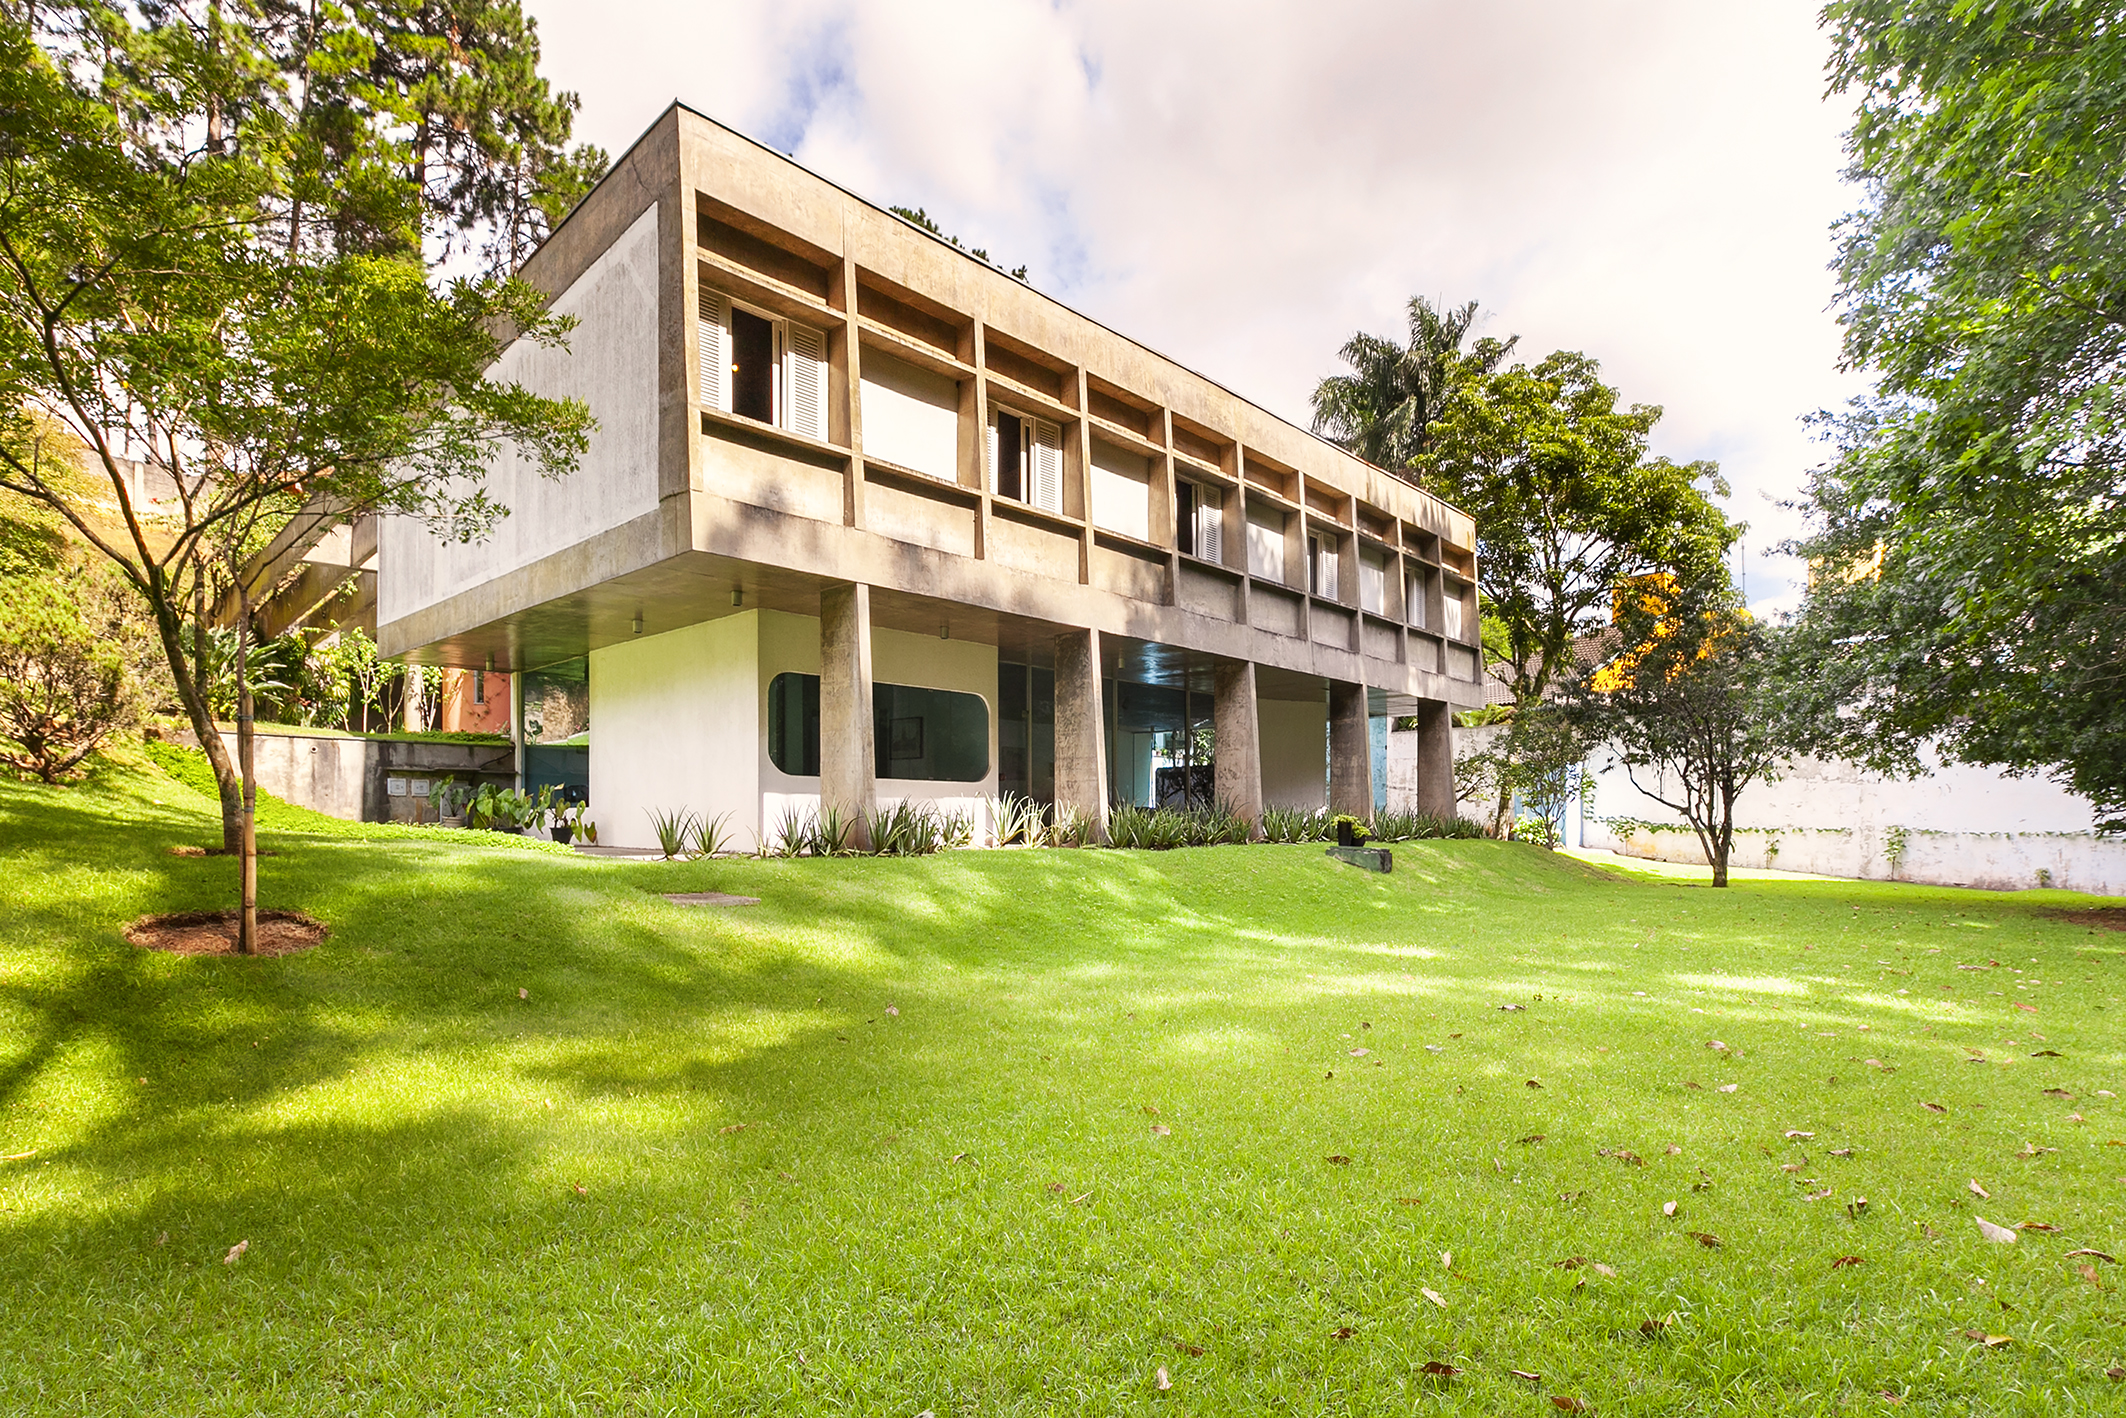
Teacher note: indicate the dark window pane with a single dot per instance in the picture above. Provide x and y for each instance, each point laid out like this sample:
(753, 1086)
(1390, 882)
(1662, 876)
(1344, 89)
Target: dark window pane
(793, 724)
(929, 735)
(1185, 517)
(1011, 455)
(752, 366)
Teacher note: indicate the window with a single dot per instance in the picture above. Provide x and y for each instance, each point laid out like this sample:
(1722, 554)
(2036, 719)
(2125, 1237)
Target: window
(1415, 597)
(479, 686)
(1121, 491)
(1026, 460)
(1452, 612)
(1321, 564)
(1266, 542)
(762, 367)
(924, 735)
(1372, 581)
(1199, 524)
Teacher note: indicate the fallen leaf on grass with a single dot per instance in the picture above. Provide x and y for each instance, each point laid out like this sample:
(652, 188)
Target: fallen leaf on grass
(2036, 1226)
(1888, 1396)
(2057, 1093)
(1511, 1007)
(734, 1127)
(1194, 1351)
(960, 1157)
(1716, 1046)
(1434, 1296)
(1434, 1049)
(1824, 1195)
(1673, 1150)
(2115, 1374)
(1980, 1192)
(2099, 1255)
(1056, 1187)
(1446, 1260)
(1651, 1327)
(2047, 1054)
(1603, 1270)
(1623, 1154)
(1435, 1369)
(2088, 1273)
(236, 1252)
(1162, 1380)
(1728, 1087)
(1524, 1374)
(1531, 1138)
(1844, 1261)
(1841, 1152)
(1569, 1405)
(1360, 1053)
(2026, 1008)
(523, 994)
(1857, 1207)
(1792, 1133)
(1934, 1107)
(1344, 1332)
(1409, 1201)
(2033, 1150)
(1710, 1242)
(1337, 1159)
(892, 1012)
(1990, 1341)
(582, 1190)
(1534, 1083)
(1668, 1209)
(1991, 1232)
(1161, 1130)
(1568, 1198)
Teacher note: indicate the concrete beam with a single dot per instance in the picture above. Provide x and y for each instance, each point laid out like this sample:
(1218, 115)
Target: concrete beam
(1435, 759)
(1081, 747)
(847, 753)
(1237, 775)
(1350, 751)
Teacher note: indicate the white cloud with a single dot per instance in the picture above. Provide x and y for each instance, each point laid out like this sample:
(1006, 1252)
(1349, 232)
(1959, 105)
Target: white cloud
(1241, 186)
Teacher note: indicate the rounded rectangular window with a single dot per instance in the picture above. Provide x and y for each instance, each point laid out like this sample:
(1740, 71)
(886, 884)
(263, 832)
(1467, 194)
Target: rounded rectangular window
(923, 735)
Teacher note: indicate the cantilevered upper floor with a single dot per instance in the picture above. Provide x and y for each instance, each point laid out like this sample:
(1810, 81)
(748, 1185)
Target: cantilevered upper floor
(795, 388)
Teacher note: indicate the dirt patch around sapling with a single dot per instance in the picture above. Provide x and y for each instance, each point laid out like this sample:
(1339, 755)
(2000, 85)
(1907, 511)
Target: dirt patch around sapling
(184, 851)
(2109, 918)
(214, 933)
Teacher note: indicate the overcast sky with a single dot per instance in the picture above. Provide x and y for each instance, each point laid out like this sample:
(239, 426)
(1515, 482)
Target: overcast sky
(1243, 185)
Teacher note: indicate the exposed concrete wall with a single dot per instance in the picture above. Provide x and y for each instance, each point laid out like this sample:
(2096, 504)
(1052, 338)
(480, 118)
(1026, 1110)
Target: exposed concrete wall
(610, 362)
(676, 722)
(1295, 752)
(348, 778)
(911, 416)
(1958, 826)
(1237, 721)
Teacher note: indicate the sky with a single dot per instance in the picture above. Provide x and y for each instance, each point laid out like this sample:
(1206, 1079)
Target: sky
(1243, 184)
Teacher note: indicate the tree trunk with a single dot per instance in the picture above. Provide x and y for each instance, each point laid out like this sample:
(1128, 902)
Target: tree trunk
(227, 785)
(247, 921)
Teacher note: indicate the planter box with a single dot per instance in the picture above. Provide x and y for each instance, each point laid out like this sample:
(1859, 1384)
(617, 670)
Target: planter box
(1378, 859)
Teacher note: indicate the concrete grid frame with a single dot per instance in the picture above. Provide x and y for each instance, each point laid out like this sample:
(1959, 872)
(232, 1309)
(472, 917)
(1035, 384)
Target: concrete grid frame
(830, 444)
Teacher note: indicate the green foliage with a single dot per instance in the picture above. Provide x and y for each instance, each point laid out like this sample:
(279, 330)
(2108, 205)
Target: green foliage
(673, 830)
(505, 809)
(709, 836)
(1297, 824)
(1969, 536)
(916, 216)
(449, 797)
(1537, 760)
(70, 657)
(917, 829)
(1397, 826)
(1165, 828)
(1384, 410)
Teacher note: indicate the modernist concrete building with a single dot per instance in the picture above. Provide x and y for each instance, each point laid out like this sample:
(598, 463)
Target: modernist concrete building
(867, 519)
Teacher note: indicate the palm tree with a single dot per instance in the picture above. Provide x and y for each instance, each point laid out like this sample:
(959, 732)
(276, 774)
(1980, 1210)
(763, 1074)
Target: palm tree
(1383, 410)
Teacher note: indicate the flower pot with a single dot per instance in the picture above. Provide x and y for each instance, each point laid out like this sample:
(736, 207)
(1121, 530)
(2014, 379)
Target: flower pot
(448, 821)
(1345, 837)
(562, 833)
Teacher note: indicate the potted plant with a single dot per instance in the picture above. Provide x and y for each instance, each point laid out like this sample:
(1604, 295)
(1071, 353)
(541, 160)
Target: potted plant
(565, 816)
(449, 798)
(1351, 831)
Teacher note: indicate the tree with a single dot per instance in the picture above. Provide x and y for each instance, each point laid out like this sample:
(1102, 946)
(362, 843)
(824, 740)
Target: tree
(1968, 537)
(1384, 410)
(1536, 758)
(1689, 703)
(150, 303)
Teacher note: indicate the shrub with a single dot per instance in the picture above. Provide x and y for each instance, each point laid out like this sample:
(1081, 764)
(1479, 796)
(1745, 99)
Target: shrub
(69, 654)
(1297, 824)
(1014, 818)
(707, 837)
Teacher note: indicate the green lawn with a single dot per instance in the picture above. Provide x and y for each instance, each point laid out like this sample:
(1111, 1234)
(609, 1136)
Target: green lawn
(1223, 1111)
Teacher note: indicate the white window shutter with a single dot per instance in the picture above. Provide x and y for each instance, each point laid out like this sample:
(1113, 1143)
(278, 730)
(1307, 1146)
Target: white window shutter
(714, 326)
(990, 436)
(1047, 466)
(1210, 524)
(808, 382)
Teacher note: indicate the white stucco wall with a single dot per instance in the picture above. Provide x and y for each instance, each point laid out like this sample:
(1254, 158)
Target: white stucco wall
(911, 416)
(1122, 490)
(676, 724)
(610, 362)
(1295, 752)
(1958, 826)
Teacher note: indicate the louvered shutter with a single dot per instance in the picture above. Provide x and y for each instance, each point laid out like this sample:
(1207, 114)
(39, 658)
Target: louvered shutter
(990, 433)
(1047, 466)
(714, 326)
(808, 382)
(1210, 524)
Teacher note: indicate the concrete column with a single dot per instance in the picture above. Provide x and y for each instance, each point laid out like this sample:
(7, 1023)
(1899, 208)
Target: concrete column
(1350, 751)
(1435, 759)
(846, 753)
(1238, 773)
(1081, 747)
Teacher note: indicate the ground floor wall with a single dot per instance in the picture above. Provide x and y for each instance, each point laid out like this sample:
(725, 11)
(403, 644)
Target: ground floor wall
(1956, 826)
(1295, 752)
(368, 779)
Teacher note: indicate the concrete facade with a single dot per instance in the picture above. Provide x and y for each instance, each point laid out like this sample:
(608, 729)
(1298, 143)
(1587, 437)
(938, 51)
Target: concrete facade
(1145, 526)
(351, 778)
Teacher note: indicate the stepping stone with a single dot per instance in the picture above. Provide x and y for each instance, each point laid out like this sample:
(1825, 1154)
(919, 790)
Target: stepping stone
(709, 898)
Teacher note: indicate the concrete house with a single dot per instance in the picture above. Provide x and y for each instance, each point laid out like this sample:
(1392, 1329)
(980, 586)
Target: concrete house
(866, 519)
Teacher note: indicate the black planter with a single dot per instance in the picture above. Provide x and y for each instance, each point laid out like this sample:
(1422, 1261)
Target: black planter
(1345, 837)
(563, 833)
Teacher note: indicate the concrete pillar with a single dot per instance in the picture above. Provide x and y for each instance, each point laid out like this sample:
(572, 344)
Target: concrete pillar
(1238, 772)
(1350, 751)
(1435, 759)
(1081, 747)
(846, 753)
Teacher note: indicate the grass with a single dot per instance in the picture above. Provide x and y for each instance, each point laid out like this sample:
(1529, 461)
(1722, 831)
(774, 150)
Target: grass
(699, 1166)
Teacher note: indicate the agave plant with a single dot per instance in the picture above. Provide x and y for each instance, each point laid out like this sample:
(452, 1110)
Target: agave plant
(831, 830)
(709, 837)
(1072, 826)
(672, 829)
(793, 832)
